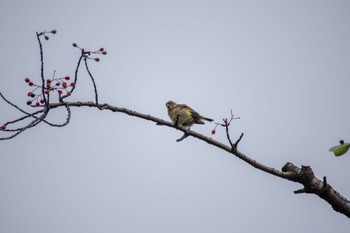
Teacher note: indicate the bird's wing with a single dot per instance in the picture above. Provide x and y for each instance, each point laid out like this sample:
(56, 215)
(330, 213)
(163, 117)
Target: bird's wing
(189, 111)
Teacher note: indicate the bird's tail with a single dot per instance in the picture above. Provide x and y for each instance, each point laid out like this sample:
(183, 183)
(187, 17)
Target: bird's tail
(207, 119)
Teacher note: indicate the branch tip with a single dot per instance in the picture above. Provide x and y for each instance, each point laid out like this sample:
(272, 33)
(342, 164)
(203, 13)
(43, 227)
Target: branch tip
(325, 184)
(300, 191)
(183, 137)
(239, 139)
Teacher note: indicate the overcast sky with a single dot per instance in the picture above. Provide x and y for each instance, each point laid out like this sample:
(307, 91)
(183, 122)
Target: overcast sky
(282, 66)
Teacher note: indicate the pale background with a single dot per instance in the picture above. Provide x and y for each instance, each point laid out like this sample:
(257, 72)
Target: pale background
(282, 66)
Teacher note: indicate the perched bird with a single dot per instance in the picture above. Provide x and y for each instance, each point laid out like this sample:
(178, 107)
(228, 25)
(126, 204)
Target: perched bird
(183, 115)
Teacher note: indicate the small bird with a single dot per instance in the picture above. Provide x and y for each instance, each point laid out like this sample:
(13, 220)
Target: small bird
(183, 115)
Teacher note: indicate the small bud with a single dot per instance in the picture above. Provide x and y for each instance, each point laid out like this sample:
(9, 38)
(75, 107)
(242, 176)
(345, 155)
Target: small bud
(53, 31)
(67, 78)
(30, 84)
(75, 45)
(29, 102)
(59, 92)
(57, 84)
(101, 49)
(46, 92)
(37, 104)
(104, 52)
(3, 127)
(47, 38)
(29, 94)
(97, 59)
(72, 84)
(32, 95)
(27, 80)
(213, 131)
(42, 101)
(68, 93)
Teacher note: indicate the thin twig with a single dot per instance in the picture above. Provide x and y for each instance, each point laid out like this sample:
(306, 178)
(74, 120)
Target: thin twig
(92, 79)
(42, 69)
(13, 105)
(228, 136)
(238, 140)
(27, 115)
(30, 125)
(75, 75)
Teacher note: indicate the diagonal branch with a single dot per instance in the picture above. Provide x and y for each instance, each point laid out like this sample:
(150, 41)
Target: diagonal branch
(290, 172)
(312, 184)
(303, 175)
(35, 122)
(27, 115)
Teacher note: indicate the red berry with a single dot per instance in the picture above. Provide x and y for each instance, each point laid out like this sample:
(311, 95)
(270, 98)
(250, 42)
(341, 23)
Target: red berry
(27, 80)
(42, 101)
(101, 49)
(213, 131)
(68, 93)
(47, 38)
(59, 92)
(67, 78)
(75, 45)
(29, 102)
(72, 84)
(48, 81)
(57, 84)
(37, 104)
(29, 94)
(97, 59)
(46, 92)
(3, 127)
(104, 52)
(32, 95)
(30, 84)
(53, 31)
(64, 84)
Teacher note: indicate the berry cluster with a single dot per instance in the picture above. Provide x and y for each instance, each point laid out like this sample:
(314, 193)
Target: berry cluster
(87, 54)
(44, 33)
(55, 84)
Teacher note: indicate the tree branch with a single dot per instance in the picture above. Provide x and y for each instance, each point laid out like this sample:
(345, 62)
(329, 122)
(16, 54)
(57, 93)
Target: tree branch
(303, 175)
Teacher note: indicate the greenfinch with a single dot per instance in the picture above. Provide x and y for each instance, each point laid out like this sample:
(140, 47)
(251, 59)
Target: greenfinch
(183, 115)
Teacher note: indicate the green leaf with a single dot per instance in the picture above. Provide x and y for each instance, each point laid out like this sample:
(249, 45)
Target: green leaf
(340, 149)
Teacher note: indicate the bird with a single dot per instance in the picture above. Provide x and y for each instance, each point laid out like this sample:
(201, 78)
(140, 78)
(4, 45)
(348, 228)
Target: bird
(183, 115)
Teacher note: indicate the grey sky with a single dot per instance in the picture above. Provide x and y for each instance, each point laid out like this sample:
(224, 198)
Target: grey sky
(282, 66)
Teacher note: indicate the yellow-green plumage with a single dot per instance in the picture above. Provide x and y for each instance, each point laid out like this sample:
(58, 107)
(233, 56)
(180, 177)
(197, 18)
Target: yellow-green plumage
(183, 115)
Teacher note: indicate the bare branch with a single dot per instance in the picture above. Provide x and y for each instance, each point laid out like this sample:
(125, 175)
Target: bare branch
(35, 122)
(13, 105)
(290, 172)
(75, 75)
(303, 175)
(42, 68)
(28, 115)
(182, 138)
(238, 140)
(312, 184)
(92, 79)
